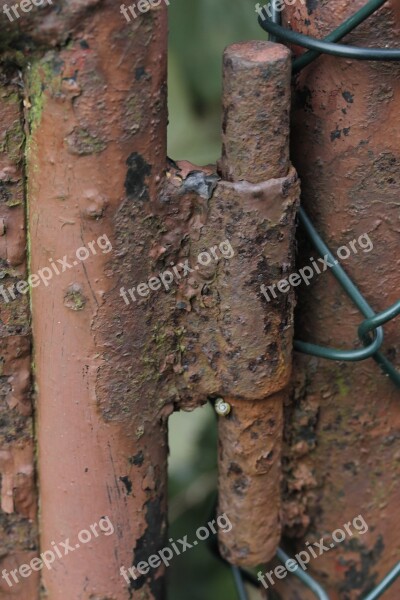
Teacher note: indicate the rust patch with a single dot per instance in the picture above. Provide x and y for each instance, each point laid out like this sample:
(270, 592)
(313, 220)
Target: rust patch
(337, 463)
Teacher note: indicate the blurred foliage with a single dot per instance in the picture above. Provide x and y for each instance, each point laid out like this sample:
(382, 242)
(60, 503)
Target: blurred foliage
(196, 574)
(199, 32)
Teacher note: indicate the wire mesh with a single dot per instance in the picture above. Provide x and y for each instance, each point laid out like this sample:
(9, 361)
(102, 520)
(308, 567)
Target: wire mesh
(373, 322)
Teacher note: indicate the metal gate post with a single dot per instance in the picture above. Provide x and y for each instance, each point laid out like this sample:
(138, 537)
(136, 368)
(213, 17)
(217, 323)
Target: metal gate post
(110, 366)
(96, 108)
(343, 442)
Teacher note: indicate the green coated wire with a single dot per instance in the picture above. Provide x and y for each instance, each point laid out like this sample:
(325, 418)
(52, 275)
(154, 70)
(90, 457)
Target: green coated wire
(369, 325)
(321, 46)
(385, 583)
(373, 322)
(241, 590)
(355, 295)
(313, 585)
(388, 368)
(354, 21)
(379, 319)
(300, 573)
(275, 17)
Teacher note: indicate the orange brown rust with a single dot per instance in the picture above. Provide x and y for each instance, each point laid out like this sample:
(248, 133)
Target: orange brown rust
(256, 101)
(18, 531)
(96, 153)
(342, 429)
(217, 347)
(256, 106)
(249, 481)
(109, 372)
(206, 338)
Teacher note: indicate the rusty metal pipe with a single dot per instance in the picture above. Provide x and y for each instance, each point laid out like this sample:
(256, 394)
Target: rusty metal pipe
(102, 441)
(255, 133)
(343, 442)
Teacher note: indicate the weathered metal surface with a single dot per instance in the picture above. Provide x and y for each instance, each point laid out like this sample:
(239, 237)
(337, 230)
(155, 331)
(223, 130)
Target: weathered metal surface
(231, 343)
(18, 534)
(342, 427)
(256, 106)
(218, 337)
(255, 137)
(96, 163)
(96, 154)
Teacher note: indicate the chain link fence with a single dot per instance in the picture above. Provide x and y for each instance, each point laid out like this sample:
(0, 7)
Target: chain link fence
(370, 331)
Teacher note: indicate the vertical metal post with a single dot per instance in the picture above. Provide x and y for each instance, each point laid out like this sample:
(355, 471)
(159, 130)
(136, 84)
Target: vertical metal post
(96, 154)
(255, 135)
(344, 445)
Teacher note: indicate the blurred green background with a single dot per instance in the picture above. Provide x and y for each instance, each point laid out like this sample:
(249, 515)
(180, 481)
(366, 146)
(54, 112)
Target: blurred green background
(199, 32)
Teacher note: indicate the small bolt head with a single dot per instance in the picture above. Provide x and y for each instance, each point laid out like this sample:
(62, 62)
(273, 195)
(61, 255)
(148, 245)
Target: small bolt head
(222, 408)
